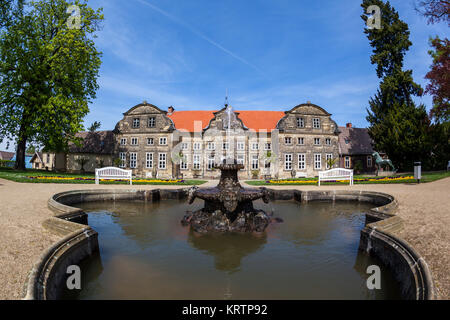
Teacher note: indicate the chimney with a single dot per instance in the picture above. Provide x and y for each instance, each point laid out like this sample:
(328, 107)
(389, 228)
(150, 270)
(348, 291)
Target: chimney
(349, 125)
(170, 110)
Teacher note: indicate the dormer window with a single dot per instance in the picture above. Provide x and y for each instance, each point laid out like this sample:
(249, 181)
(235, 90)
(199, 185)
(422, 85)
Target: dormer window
(300, 123)
(316, 123)
(151, 122)
(136, 123)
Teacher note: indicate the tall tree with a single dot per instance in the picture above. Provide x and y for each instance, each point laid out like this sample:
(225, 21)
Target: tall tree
(434, 10)
(397, 126)
(95, 126)
(48, 74)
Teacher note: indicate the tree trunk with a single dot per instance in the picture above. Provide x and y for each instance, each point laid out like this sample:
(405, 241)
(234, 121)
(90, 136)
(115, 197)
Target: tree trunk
(21, 146)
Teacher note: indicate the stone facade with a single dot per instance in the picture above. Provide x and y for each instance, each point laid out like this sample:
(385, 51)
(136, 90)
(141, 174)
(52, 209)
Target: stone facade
(300, 142)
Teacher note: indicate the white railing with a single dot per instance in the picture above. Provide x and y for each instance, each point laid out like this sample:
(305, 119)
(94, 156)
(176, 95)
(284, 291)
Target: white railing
(112, 173)
(336, 174)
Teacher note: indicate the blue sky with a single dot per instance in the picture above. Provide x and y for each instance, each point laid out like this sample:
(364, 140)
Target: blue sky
(268, 54)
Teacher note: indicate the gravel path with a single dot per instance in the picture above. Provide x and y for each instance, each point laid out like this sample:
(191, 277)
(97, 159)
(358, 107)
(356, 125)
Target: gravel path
(23, 207)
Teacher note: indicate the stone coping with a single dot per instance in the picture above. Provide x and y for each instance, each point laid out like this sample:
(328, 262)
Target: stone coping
(80, 241)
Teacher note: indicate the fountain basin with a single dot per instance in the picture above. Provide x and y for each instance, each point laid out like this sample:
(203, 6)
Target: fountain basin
(47, 277)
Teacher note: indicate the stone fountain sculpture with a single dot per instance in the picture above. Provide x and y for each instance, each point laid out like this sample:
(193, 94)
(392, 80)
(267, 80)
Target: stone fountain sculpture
(229, 206)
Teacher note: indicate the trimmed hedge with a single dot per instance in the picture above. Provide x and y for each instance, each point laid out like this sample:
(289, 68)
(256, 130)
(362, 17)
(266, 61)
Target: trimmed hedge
(7, 163)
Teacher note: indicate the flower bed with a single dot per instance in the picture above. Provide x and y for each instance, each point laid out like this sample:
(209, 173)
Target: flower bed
(105, 180)
(359, 180)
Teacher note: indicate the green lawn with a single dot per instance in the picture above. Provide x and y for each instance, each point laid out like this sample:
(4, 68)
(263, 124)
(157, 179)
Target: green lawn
(27, 177)
(426, 177)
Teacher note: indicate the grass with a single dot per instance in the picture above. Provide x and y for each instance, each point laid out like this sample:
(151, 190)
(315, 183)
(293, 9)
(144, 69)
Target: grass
(24, 177)
(426, 177)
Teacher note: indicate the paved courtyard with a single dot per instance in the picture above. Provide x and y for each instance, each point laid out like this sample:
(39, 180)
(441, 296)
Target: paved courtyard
(23, 207)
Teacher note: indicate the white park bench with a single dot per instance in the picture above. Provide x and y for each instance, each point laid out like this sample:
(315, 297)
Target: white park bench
(112, 173)
(336, 174)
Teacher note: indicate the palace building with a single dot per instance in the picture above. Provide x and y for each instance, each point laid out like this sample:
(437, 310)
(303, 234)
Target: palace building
(162, 144)
(272, 144)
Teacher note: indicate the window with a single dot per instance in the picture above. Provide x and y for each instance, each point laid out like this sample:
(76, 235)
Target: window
(329, 157)
(369, 161)
(268, 146)
(134, 141)
(316, 141)
(136, 123)
(240, 159)
(210, 162)
(241, 145)
(288, 162)
(301, 141)
(211, 146)
(123, 141)
(255, 162)
(225, 146)
(347, 141)
(328, 141)
(301, 161)
(162, 161)
(300, 123)
(47, 158)
(163, 141)
(255, 146)
(184, 146)
(184, 162)
(133, 160)
(316, 123)
(123, 159)
(149, 160)
(197, 146)
(197, 162)
(317, 161)
(347, 162)
(150, 141)
(151, 122)
(287, 140)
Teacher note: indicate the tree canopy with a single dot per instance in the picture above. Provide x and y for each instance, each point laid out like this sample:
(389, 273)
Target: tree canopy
(48, 72)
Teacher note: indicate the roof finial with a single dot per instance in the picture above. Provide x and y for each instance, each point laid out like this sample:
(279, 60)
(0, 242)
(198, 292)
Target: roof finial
(226, 98)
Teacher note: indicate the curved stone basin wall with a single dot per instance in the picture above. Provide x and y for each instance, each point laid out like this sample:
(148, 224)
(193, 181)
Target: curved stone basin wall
(80, 241)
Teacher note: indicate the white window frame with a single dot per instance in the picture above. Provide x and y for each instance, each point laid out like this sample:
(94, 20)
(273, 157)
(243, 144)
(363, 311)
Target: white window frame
(150, 123)
(302, 139)
(136, 123)
(133, 160)
(347, 162)
(135, 140)
(184, 146)
(255, 162)
(197, 161)
(123, 159)
(211, 161)
(255, 145)
(150, 141)
(149, 160)
(316, 123)
(288, 140)
(197, 145)
(162, 161)
(288, 161)
(184, 162)
(211, 146)
(268, 146)
(240, 145)
(328, 141)
(123, 141)
(300, 122)
(240, 158)
(317, 161)
(328, 156)
(369, 161)
(301, 157)
(161, 140)
(317, 141)
(225, 146)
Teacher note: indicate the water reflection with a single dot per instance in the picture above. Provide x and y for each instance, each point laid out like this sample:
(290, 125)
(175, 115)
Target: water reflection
(228, 250)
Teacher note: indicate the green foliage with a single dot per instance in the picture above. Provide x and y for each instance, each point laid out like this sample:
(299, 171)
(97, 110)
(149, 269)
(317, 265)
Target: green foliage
(95, 126)
(358, 166)
(255, 174)
(397, 126)
(48, 74)
(117, 162)
(6, 163)
(331, 162)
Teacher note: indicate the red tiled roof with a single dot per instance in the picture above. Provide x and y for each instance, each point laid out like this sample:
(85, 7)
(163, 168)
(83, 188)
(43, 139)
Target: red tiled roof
(256, 120)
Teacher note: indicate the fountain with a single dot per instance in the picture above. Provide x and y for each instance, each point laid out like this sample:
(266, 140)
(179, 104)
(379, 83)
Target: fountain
(229, 206)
